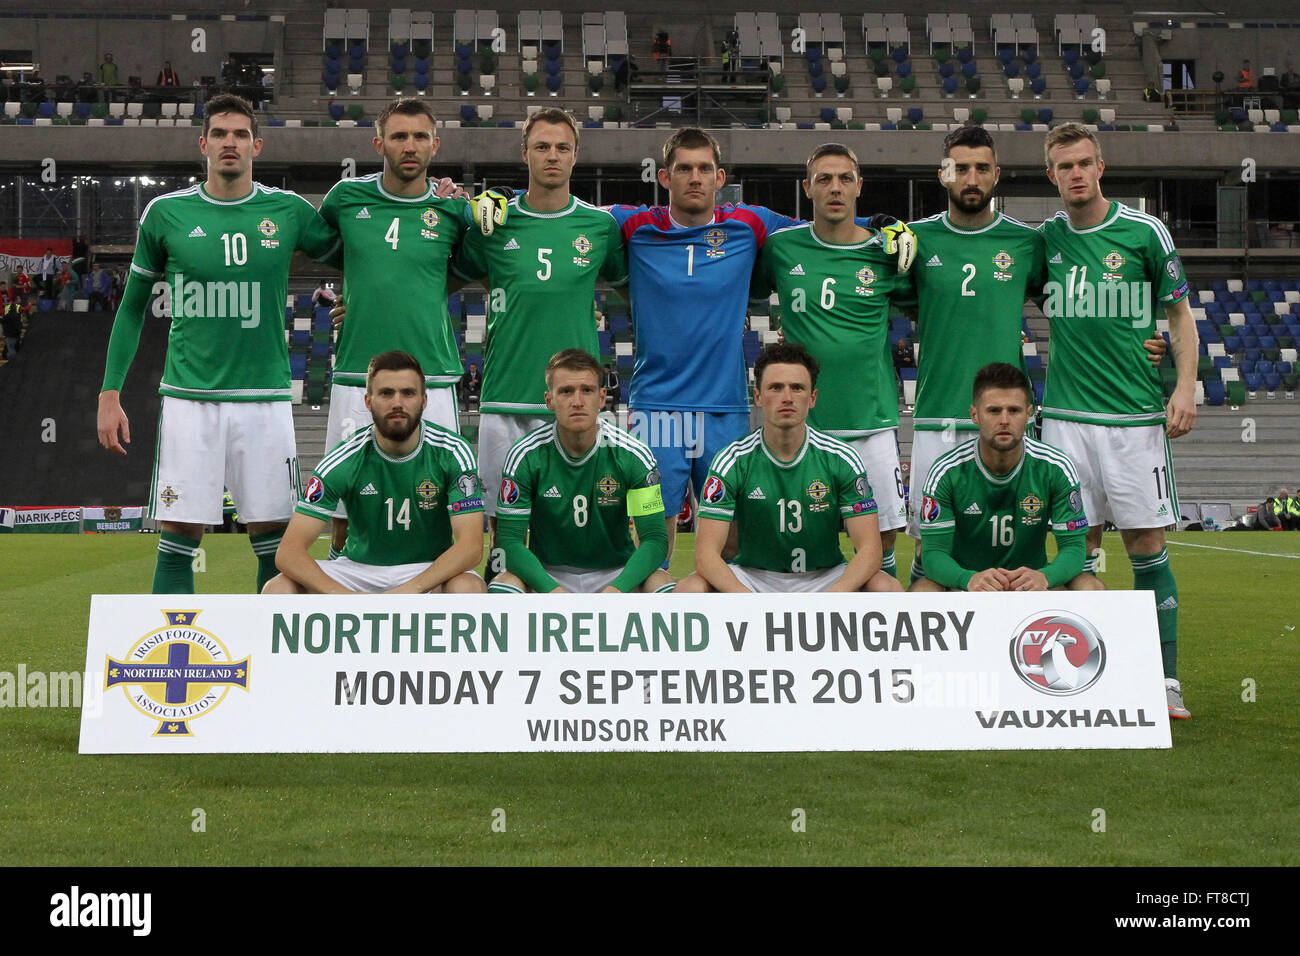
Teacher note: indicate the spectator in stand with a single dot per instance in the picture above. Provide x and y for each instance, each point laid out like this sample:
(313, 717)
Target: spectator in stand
(663, 47)
(67, 282)
(46, 271)
(23, 285)
(1289, 85)
(107, 73)
(12, 324)
(100, 288)
(323, 296)
(167, 76)
(1245, 78)
(903, 357)
(471, 383)
(613, 387)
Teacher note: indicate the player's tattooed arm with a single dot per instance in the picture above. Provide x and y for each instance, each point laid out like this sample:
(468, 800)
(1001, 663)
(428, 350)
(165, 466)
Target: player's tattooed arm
(1181, 410)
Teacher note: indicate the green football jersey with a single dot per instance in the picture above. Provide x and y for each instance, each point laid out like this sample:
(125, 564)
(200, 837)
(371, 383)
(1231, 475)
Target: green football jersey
(399, 509)
(1103, 284)
(391, 243)
(1001, 521)
(787, 512)
(835, 303)
(578, 510)
(970, 287)
(226, 268)
(541, 270)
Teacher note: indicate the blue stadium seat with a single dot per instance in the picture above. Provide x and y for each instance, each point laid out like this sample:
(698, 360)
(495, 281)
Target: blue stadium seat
(819, 84)
(468, 113)
(815, 68)
(1250, 342)
(1034, 70)
(1077, 71)
(1222, 361)
(1029, 54)
(946, 69)
(904, 70)
(298, 365)
(907, 374)
(1267, 342)
(950, 85)
(1252, 354)
(1219, 285)
(1033, 361)
(969, 69)
(337, 111)
(1253, 381)
(1246, 366)
(915, 114)
(321, 319)
(1264, 367)
(965, 54)
(1006, 55)
(422, 82)
(1045, 115)
(900, 54)
(1215, 393)
(1282, 368)
(1081, 87)
(1232, 344)
(1070, 56)
(1038, 85)
(1038, 392)
(1273, 382)
(1011, 70)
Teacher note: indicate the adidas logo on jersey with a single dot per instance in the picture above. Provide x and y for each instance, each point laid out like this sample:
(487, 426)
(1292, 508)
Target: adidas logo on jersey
(797, 270)
(364, 213)
(1055, 260)
(369, 489)
(934, 261)
(757, 495)
(198, 233)
(512, 244)
(552, 492)
(1168, 604)
(973, 509)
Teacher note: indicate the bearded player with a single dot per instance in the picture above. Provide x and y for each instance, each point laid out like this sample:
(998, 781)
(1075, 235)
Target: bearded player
(413, 498)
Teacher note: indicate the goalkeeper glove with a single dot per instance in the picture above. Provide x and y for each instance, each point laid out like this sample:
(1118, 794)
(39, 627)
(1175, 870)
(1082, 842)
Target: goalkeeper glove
(899, 239)
(490, 208)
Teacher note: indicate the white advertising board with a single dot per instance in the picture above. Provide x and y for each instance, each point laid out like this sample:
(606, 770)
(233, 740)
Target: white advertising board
(252, 674)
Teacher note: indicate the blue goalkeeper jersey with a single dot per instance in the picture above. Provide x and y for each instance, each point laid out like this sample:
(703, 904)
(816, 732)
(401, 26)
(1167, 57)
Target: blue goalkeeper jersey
(690, 291)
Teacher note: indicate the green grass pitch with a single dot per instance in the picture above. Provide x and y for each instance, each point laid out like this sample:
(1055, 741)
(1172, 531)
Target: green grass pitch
(1224, 795)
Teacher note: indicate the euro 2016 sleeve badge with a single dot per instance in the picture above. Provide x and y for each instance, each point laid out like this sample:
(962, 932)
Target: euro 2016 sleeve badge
(176, 674)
